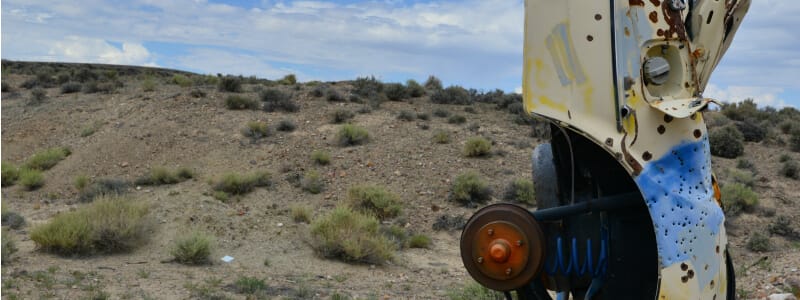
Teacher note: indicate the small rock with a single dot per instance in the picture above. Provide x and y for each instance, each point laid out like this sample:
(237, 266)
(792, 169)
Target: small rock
(124, 164)
(280, 224)
(781, 297)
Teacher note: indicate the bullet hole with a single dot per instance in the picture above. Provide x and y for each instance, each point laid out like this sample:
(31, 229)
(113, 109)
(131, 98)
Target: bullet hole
(589, 38)
(598, 17)
(698, 133)
(684, 267)
(647, 156)
(668, 118)
(661, 129)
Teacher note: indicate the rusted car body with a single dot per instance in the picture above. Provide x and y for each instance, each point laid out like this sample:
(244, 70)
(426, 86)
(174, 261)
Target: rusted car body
(628, 207)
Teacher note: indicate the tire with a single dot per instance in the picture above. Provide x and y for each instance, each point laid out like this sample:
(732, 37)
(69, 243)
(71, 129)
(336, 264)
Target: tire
(545, 178)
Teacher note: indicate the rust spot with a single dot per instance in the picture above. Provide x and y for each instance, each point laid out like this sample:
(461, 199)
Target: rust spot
(653, 17)
(589, 38)
(667, 118)
(684, 267)
(698, 53)
(675, 21)
(655, 2)
(647, 156)
(636, 2)
(661, 129)
(598, 17)
(637, 167)
(684, 279)
(627, 31)
(697, 133)
(691, 273)
(660, 32)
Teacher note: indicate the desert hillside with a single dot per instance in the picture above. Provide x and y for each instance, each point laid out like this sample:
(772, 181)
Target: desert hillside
(214, 166)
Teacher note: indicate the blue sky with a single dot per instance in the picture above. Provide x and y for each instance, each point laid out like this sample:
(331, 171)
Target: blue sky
(474, 43)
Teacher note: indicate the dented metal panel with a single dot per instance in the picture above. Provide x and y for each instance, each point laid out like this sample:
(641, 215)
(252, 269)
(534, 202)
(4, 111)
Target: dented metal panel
(597, 67)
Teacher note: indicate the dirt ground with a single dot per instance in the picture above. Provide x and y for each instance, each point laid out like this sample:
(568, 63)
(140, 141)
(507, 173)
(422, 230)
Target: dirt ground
(138, 130)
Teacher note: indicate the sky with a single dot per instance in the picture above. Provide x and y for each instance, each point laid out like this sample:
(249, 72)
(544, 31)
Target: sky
(473, 43)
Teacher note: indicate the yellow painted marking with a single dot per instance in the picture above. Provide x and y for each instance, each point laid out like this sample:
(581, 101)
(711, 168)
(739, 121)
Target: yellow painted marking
(552, 104)
(634, 98)
(540, 83)
(630, 124)
(587, 98)
(527, 93)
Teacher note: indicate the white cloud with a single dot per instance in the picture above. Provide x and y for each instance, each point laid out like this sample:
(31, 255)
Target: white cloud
(81, 49)
(763, 96)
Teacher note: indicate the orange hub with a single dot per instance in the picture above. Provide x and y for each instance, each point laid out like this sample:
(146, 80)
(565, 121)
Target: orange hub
(502, 247)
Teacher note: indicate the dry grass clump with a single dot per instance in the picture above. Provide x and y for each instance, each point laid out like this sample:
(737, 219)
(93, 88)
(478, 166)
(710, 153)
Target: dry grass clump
(321, 157)
(419, 241)
(737, 197)
(47, 159)
(10, 173)
(161, 175)
(31, 179)
(350, 135)
(103, 187)
(351, 236)
(441, 137)
(192, 248)
(256, 130)
(341, 115)
(312, 182)
(301, 214)
(286, 126)
(277, 100)
(521, 191)
(236, 102)
(108, 225)
(477, 147)
(374, 200)
(237, 184)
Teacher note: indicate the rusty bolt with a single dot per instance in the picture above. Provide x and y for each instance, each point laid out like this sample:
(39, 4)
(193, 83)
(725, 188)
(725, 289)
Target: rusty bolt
(480, 259)
(508, 271)
(491, 231)
(519, 243)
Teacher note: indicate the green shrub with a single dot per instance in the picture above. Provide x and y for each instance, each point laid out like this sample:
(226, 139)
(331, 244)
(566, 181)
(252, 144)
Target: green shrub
(181, 80)
(286, 125)
(38, 95)
(301, 214)
(758, 242)
(782, 226)
(320, 90)
(71, 87)
(9, 247)
(477, 147)
(276, 100)
(289, 79)
(312, 182)
(374, 200)
(108, 225)
(785, 158)
(341, 115)
(787, 126)
(441, 137)
(13, 220)
(81, 181)
(790, 169)
(469, 188)
(230, 84)
(321, 157)
(236, 184)
(90, 129)
(521, 190)
(256, 130)
(350, 236)
(148, 84)
(250, 285)
(103, 188)
(350, 135)
(726, 142)
(441, 113)
(240, 102)
(451, 95)
(47, 159)
(367, 87)
(161, 175)
(31, 179)
(794, 140)
(414, 88)
(335, 96)
(407, 116)
(751, 132)
(193, 248)
(457, 119)
(197, 93)
(745, 177)
(737, 197)
(423, 116)
(745, 164)
(470, 109)
(10, 173)
(396, 234)
(473, 290)
(419, 241)
(433, 83)
(395, 91)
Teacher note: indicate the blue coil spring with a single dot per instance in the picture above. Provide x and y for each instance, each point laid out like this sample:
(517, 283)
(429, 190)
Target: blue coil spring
(573, 266)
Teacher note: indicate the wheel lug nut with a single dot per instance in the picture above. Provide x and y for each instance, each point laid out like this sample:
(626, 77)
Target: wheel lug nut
(480, 259)
(491, 231)
(519, 243)
(508, 271)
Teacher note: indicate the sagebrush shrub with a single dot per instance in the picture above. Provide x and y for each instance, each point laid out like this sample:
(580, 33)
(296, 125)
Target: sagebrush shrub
(181, 80)
(108, 225)
(726, 142)
(31, 179)
(312, 182)
(9, 247)
(456, 119)
(161, 175)
(103, 188)
(289, 79)
(520, 190)
(433, 83)
(406, 115)
(286, 125)
(240, 102)
(230, 84)
(419, 241)
(751, 132)
(441, 113)
(477, 147)
(341, 115)
(351, 236)
(237, 184)
(395, 91)
(256, 130)
(13, 220)
(10, 174)
(71, 87)
(321, 157)
(451, 95)
(469, 188)
(758, 242)
(790, 169)
(192, 248)
(374, 200)
(441, 137)
(38, 95)
(350, 135)
(794, 140)
(737, 197)
(277, 100)
(414, 88)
